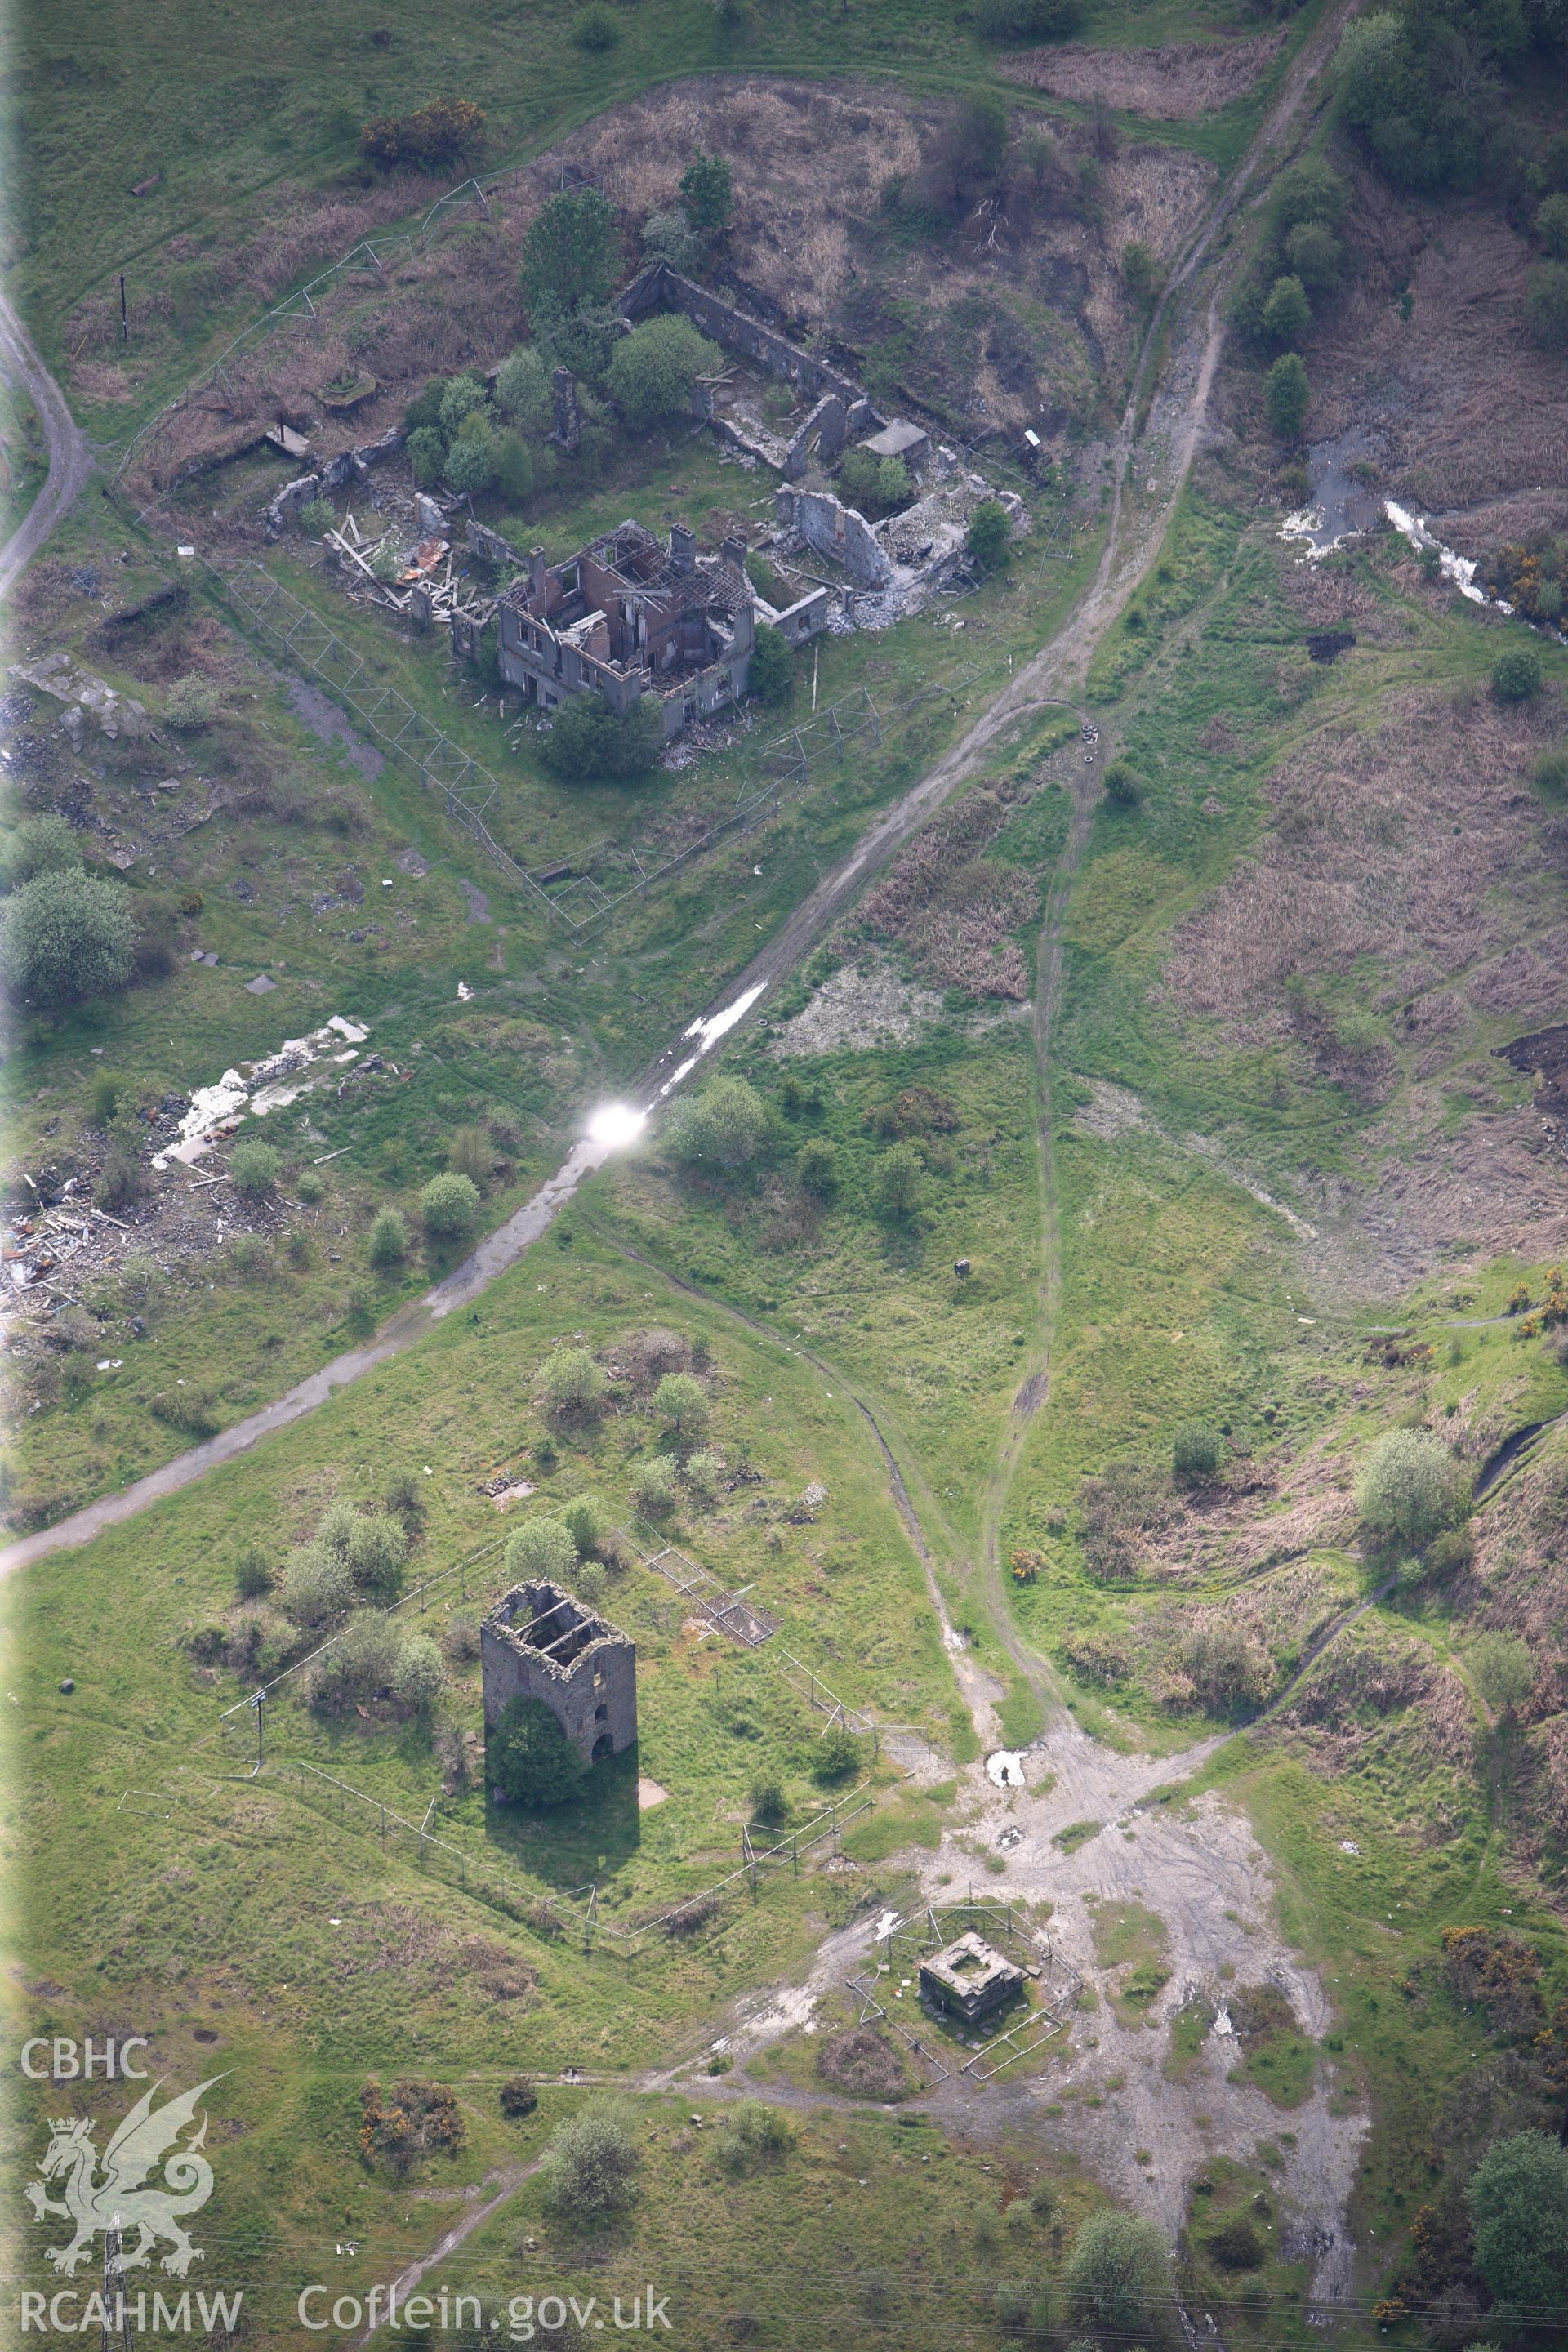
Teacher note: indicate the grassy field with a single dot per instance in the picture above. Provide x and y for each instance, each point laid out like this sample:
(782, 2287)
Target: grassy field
(546, 1027)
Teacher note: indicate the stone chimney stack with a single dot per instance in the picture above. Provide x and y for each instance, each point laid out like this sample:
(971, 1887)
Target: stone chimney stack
(683, 549)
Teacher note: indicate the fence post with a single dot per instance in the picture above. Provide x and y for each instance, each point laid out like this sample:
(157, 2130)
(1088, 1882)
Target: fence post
(794, 1851)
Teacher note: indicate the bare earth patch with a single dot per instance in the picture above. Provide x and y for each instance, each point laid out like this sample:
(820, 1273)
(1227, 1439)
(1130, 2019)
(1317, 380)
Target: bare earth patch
(861, 1005)
(1172, 84)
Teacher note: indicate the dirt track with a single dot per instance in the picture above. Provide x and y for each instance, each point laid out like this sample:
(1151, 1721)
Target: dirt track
(70, 459)
(1197, 1868)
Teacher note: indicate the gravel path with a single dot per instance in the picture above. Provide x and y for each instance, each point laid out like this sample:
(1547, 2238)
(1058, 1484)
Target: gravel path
(70, 458)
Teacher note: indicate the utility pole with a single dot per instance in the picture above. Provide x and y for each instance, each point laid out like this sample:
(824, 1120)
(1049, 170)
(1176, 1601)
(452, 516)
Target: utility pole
(118, 2336)
(124, 317)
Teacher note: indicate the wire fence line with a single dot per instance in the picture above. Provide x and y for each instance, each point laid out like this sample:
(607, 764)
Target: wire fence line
(368, 257)
(788, 764)
(576, 1910)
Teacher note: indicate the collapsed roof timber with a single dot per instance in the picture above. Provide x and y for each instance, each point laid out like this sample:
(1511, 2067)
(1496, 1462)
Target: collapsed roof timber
(627, 617)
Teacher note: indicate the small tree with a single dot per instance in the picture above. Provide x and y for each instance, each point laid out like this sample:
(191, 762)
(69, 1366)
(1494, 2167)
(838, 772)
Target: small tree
(253, 1576)
(836, 1754)
(420, 1677)
(316, 518)
(531, 1761)
(513, 467)
(1140, 273)
(1310, 191)
(1516, 675)
(654, 1487)
(361, 1662)
(518, 2098)
(702, 1472)
(1552, 226)
(722, 1128)
(1194, 1453)
(669, 236)
(569, 255)
(523, 394)
(1123, 784)
(388, 1242)
(707, 193)
(682, 1404)
(772, 673)
(989, 539)
(1286, 392)
(1546, 304)
(471, 465)
(751, 2132)
(64, 936)
(1519, 2206)
(596, 30)
(1316, 256)
(1118, 2278)
(1287, 313)
(542, 1549)
(590, 744)
(1410, 1486)
(590, 2169)
(1504, 1671)
(377, 1548)
(816, 1168)
(900, 1181)
(41, 844)
(316, 1584)
(432, 139)
(653, 369)
(1026, 20)
(570, 1381)
(874, 485)
(426, 455)
(472, 1153)
(585, 1521)
(449, 1205)
(255, 1168)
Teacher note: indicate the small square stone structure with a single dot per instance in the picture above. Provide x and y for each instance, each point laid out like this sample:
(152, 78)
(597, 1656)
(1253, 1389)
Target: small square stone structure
(900, 439)
(539, 1642)
(970, 1978)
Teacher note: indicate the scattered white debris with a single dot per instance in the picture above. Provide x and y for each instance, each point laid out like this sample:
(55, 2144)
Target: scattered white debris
(1459, 568)
(465, 994)
(271, 1085)
(1005, 1766)
(1349, 1846)
(1222, 2024)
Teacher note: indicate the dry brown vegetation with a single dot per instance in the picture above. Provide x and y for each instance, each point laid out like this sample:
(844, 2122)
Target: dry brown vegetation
(1401, 844)
(952, 909)
(863, 2062)
(810, 243)
(1169, 84)
(1417, 855)
(1462, 413)
(1378, 1693)
(811, 167)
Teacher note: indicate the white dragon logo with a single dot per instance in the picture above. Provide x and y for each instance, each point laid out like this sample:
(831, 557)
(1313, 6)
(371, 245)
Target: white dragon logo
(118, 2200)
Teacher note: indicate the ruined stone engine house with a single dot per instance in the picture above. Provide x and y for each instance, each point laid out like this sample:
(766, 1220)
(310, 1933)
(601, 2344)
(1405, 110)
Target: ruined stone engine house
(538, 1642)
